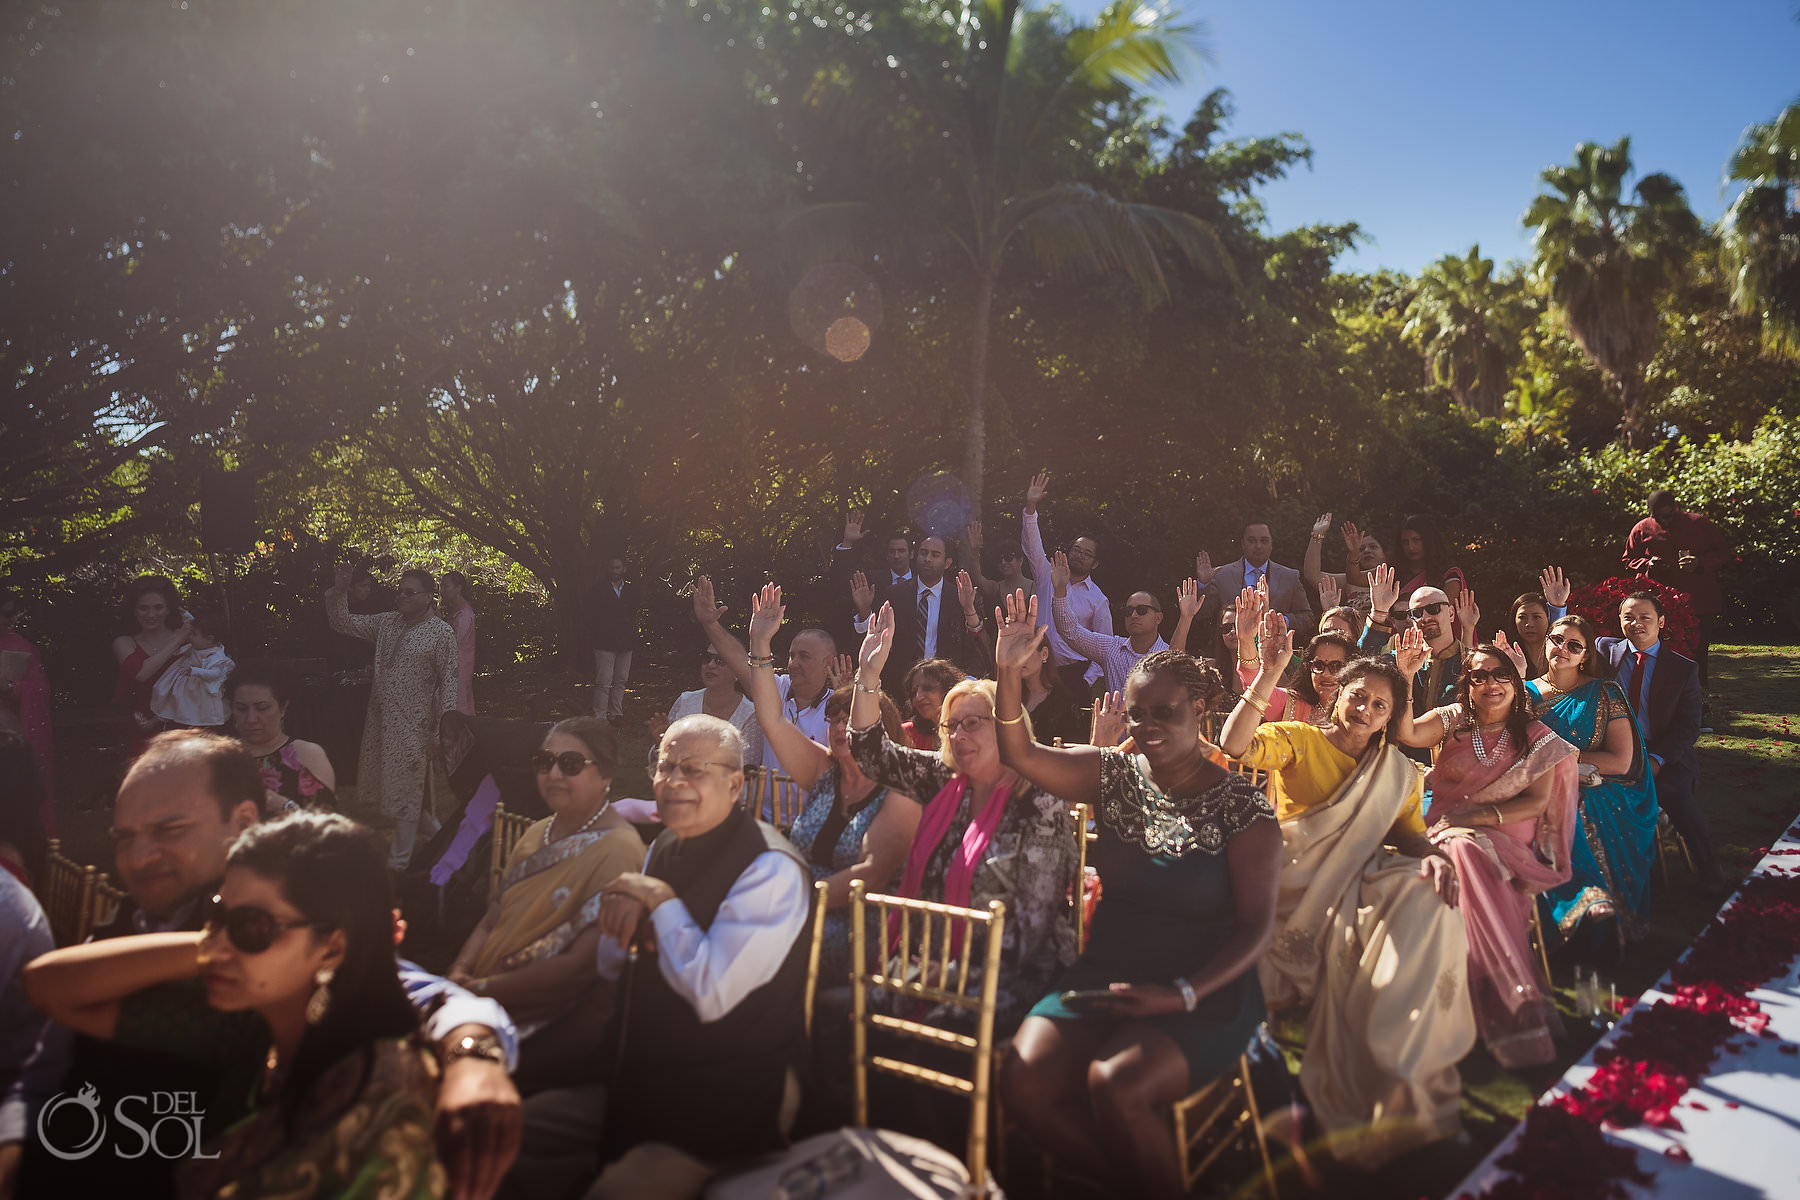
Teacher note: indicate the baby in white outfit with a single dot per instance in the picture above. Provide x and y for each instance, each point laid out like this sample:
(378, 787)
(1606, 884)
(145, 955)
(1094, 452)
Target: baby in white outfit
(191, 691)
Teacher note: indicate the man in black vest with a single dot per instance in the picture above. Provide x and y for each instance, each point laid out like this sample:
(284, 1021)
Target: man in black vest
(710, 1031)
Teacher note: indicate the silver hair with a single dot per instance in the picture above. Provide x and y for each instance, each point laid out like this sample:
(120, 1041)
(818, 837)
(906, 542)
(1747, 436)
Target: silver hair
(723, 732)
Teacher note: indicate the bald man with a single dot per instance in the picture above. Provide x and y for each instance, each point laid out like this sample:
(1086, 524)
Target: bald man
(803, 687)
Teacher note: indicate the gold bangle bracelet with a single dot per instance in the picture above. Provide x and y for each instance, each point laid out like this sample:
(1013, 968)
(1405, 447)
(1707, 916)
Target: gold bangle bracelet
(1010, 720)
(1257, 702)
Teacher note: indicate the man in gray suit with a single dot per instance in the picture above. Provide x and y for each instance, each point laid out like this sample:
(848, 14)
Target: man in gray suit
(1287, 595)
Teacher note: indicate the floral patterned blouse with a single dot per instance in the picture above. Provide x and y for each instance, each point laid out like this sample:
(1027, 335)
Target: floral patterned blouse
(1029, 866)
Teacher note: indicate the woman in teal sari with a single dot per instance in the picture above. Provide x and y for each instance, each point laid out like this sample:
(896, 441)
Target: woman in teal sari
(1600, 906)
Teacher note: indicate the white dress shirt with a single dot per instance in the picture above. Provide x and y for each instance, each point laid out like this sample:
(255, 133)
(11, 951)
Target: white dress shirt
(1087, 603)
(810, 720)
(714, 969)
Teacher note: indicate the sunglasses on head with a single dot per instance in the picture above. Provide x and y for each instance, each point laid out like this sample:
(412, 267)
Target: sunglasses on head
(251, 929)
(570, 762)
(1138, 610)
(1428, 610)
(1567, 643)
(1481, 675)
(1327, 666)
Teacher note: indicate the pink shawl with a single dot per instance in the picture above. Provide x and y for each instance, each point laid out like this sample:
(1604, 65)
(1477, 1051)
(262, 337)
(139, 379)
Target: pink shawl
(934, 823)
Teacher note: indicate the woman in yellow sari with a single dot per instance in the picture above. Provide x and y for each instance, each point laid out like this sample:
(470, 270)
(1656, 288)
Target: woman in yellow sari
(1366, 931)
(534, 950)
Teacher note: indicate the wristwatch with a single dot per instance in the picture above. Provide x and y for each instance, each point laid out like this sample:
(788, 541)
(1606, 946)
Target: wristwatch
(471, 1045)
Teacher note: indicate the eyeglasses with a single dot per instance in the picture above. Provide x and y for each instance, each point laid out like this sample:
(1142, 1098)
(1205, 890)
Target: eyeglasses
(1079, 552)
(570, 762)
(1428, 610)
(1324, 665)
(410, 592)
(1138, 610)
(689, 770)
(251, 929)
(965, 724)
(1567, 643)
(1481, 675)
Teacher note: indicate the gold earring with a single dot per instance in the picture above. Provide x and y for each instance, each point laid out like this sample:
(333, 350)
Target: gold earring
(320, 1000)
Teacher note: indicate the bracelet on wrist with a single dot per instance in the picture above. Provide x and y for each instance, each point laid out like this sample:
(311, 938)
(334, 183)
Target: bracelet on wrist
(1190, 999)
(865, 689)
(760, 660)
(1010, 720)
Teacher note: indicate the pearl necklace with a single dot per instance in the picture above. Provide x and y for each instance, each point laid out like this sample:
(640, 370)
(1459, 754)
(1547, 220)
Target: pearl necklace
(1482, 752)
(585, 825)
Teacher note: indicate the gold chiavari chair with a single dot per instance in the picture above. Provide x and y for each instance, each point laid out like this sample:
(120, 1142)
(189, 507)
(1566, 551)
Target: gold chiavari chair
(1083, 814)
(821, 894)
(107, 899)
(1666, 838)
(770, 791)
(1537, 939)
(1213, 724)
(68, 896)
(937, 974)
(1213, 1119)
(508, 829)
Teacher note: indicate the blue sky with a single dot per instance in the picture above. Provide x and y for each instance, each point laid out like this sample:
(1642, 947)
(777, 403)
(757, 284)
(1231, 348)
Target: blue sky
(1430, 121)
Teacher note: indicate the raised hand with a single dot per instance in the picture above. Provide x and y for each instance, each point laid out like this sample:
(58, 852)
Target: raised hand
(878, 642)
(1187, 598)
(765, 615)
(706, 611)
(862, 593)
(1203, 568)
(840, 670)
(972, 536)
(1352, 540)
(1037, 490)
(1059, 573)
(966, 594)
(1555, 586)
(1251, 606)
(853, 526)
(1411, 654)
(1277, 645)
(1018, 645)
(1329, 595)
(1468, 614)
(1107, 727)
(1322, 526)
(1383, 591)
(1516, 653)
(341, 575)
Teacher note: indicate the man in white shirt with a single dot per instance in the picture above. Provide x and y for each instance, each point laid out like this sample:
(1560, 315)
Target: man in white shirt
(1086, 602)
(934, 616)
(803, 687)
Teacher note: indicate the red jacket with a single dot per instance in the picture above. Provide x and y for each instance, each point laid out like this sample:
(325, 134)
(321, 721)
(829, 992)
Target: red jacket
(1693, 533)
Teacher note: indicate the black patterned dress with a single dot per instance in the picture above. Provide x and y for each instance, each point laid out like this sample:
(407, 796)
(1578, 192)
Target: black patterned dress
(1167, 902)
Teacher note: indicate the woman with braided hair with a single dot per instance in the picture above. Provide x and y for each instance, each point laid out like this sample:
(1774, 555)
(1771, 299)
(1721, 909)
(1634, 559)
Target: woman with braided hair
(1165, 996)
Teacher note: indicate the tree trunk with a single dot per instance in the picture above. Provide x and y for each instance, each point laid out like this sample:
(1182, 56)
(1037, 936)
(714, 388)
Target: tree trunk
(568, 595)
(975, 443)
(1631, 402)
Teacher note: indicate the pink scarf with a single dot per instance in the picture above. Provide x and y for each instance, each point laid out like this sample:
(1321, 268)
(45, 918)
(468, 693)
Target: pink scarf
(934, 823)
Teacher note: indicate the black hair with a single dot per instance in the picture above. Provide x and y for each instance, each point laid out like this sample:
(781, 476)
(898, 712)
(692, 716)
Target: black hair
(1651, 598)
(235, 775)
(940, 671)
(462, 585)
(1434, 560)
(335, 872)
(1200, 680)
(1536, 598)
(163, 586)
(1591, 663)
(279, 683)
(1330, 637)
(1660, 497)
(209, 623)
(598, 736)
(21, 809)
(424, 578)
(1376, 668)
(1518, 716)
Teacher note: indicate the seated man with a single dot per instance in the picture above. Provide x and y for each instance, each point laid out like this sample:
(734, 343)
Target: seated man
(710, 1026)
(180, 808)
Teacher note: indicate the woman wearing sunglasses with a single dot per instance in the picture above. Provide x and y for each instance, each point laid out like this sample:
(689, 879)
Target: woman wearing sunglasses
(1191, 856)
(1366, 927)
(534, 949)
(1501, 803)
(717, 696)
(311, 1023)
(985, 833)
(1602, 903)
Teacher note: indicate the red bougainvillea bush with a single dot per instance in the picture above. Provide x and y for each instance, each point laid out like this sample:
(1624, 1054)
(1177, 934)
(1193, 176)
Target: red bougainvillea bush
(1599, 603)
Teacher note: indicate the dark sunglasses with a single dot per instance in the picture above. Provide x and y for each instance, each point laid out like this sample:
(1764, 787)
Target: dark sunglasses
(1137, 714)
(570, 762)
(1138, 610)
(1480, 675)
(1567, 643)
(251, 929)
(1326, 666)
(711, 656)
(1428, 610)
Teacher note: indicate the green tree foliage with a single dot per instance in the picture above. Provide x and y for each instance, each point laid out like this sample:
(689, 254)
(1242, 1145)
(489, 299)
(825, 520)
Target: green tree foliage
(1760, 234)
(1467, 323)
(1606, 258)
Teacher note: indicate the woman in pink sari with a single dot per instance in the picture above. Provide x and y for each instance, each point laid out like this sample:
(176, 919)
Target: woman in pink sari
(25, 702)
(1501, 802)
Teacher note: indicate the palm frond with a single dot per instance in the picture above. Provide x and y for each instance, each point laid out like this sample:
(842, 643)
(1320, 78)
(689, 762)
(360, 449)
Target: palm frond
(1074, 229)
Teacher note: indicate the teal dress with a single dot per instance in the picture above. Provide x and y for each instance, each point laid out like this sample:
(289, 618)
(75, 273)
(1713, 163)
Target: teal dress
(1166, 902)
(831, 841)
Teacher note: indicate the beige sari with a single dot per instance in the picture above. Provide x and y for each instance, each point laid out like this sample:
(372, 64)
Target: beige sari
(1384, 964)
(550, 893)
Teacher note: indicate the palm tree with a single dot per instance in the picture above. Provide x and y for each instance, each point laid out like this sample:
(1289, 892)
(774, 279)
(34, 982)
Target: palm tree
(1760, 233)
(1466, 324)
(1605, 261)
(977, 112)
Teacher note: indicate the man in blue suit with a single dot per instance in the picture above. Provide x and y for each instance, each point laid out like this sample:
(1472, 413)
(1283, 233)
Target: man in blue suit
(1664, 690)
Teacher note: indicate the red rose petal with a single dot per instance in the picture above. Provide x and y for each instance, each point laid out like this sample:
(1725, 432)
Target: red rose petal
(1678, 1153)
